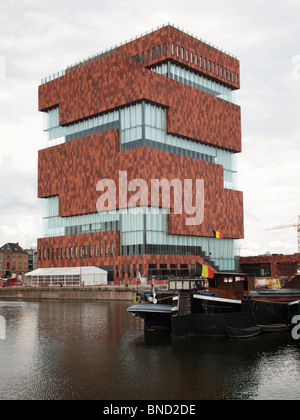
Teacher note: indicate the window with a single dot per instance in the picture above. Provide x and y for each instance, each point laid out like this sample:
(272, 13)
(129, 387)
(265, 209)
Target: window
(148, 55)
(196, 60)
(76, 252)
(182, 53)
(112, 250)
(187, 55)
(204, 63)
(177, 50)
(101, 250)
(71, 252)
(192, 58)
(143, 57)
(117, 271)
(213, 67)
(209, 65)
(159, 51)
(66, 252)
(200, 61)
(91, 250)
(85, 251)
(81, 252)
(257, 270)
(96, 250)
(153, 53)
(165, 49)
(106, 250)
(172, 49)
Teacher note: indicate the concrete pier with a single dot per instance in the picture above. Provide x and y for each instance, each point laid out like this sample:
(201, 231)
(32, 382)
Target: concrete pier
(66, 293)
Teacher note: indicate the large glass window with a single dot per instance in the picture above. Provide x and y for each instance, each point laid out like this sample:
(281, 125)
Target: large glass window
(145, 232)
(89, 223)
(197, 81)
(142, 124)
(56, 134)
(145, 125)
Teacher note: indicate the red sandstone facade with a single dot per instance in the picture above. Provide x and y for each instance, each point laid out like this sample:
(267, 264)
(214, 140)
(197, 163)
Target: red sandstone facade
(112, 81)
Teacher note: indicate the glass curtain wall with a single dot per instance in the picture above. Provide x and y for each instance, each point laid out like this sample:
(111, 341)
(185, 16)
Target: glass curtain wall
(56, 134)
(145, 125)
(195, 80)
(146, 233)
(140, 125)
(54, 225)
(142, 232)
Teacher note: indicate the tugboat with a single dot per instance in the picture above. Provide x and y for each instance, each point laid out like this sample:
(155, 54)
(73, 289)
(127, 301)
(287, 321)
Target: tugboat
(188, 309)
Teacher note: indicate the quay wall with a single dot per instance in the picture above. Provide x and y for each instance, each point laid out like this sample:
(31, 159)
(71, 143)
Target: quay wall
(64, 293)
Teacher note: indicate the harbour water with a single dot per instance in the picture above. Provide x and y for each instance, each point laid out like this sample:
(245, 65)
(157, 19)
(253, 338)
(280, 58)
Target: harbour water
(83, 350)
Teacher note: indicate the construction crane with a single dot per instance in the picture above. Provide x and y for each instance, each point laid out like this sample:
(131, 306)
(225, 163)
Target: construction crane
(296, 225)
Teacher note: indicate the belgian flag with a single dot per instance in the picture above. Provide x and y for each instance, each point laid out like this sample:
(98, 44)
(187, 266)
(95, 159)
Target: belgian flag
(205, 271)
(218, 235)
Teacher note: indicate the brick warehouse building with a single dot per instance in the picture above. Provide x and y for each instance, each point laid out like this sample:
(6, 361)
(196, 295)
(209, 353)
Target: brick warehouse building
(271, 265)
(159, 107)
(13, 261)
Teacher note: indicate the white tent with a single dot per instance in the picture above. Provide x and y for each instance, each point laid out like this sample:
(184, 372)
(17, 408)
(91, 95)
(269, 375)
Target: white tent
(67, 276)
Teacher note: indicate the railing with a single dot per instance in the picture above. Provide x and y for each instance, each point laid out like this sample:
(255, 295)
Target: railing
(114, 50)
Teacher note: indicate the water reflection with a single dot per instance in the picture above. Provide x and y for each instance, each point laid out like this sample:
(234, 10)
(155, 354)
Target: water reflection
(96, 350)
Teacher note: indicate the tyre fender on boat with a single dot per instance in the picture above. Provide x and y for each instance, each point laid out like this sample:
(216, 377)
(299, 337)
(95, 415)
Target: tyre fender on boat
(137, 299)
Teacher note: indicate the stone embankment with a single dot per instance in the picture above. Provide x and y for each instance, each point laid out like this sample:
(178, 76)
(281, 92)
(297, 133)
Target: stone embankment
(64, 293)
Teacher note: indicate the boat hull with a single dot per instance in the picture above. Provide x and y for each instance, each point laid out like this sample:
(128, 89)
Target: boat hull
(196, 314)
(156, 317)
(271, 328)
(274, 312)
(213, 317)
(243, 333)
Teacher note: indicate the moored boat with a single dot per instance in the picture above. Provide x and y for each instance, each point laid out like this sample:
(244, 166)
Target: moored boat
(242, 333)
(186, 310)
(271, 328)
(157, 317)
(272, 307)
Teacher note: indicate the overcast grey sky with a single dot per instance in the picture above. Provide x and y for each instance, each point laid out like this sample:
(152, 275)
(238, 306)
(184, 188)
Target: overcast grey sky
(40, 37)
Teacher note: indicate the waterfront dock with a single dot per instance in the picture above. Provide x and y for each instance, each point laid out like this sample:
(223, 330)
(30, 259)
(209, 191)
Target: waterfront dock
(105, 293)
